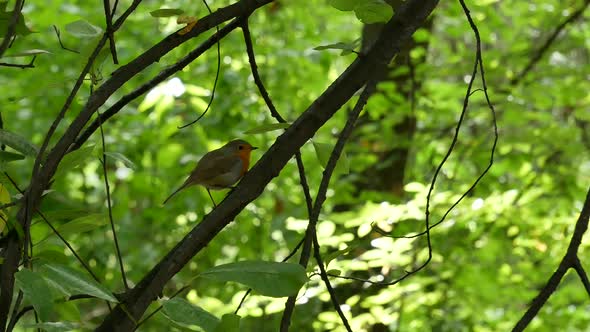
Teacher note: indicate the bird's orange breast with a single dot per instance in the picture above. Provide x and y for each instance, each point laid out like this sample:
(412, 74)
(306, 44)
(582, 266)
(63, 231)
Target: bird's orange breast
(245, 157)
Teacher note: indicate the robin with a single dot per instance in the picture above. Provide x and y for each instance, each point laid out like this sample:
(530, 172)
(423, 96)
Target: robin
(221, 168)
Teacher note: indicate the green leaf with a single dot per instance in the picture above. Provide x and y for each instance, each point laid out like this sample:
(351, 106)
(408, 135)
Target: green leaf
(52, 254)
(335, 46)
(84, 224)
(333, 255)
(9, 156)
(73, 160)
(323, 152)
(21, 27)
(26, 53)
(55, 326)
(18, 143)
(268, 278)
(71, 282)
(229, 323)
(335, 272)
(343, 5)
(83, 29)
(166, 12)
(120, 157)
(267, 127)
(37, 291)
(373, 11)
(185, 313)
(4, 199)
(347, 48)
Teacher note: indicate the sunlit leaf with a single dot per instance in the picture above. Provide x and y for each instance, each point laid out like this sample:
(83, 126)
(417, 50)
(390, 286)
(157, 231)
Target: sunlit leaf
(73, 160)
(267, 128)
(344, 5)
(373, 11)
(21, 28)
(335, 272)
(55, 326)
(323, 152)
(333, 255)
(9, 156)
(83, 29)
(37, 291)
(84, 224)
(75, 282)
(185, 313)
(18, 143)
(4, 199)
(26, 53)
(229, 323)
(166, 12)
(120, 157)
(267, 278)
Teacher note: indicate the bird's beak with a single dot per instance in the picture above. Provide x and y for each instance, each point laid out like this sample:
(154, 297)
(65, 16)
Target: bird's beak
(254, 147)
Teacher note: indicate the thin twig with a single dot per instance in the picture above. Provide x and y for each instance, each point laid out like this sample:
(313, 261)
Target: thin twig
(114, 9)
(162, 75)
(11, 30)
(15, 185)
(109, 30)
(61, 44)
(214, 82)
(35, 186)
(478, 64)
(545, 47)
(324, 184)
(582, 274)
(108, 192)
(306, 241)
(15, 317)
(21, 66)
(410, 15)
(568, 261)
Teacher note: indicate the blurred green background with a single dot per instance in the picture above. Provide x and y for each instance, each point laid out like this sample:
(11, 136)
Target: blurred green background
(490, 256)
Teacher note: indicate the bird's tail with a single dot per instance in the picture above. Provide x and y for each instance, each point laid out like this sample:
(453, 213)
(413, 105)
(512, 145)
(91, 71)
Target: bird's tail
(184, 185)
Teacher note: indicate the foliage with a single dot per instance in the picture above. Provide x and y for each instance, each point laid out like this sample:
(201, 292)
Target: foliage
(489, 257)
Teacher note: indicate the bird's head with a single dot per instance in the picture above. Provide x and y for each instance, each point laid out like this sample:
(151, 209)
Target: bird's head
(240, 148)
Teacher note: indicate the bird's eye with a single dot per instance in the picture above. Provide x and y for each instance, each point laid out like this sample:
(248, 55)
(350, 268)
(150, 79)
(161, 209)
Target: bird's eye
(241, 147)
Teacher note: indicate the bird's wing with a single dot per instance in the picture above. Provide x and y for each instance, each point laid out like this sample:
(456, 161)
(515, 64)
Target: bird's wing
(214, 167)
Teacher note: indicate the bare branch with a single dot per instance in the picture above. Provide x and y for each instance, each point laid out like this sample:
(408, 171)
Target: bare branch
(324, 184)
(21, 66)
(545, 47)
(214, 83)
(110, 208)
(406, 20)
(478, 64)
(290, 304)
(61, 44)
(582, 274)
(11, 32)
(109, 30)
(568, 261)
(162, 75)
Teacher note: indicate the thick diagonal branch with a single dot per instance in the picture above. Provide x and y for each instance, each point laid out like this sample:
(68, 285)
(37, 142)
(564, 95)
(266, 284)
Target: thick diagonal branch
(395, 34)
